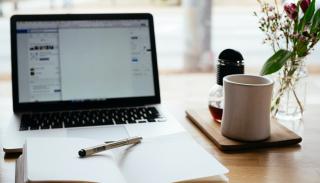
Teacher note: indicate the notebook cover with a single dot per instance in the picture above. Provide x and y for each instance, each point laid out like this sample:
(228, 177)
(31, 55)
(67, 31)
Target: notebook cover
(280, 135)
(49, 159)
(19, 170)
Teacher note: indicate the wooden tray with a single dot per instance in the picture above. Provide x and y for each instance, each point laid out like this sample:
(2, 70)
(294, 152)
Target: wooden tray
(280, 135)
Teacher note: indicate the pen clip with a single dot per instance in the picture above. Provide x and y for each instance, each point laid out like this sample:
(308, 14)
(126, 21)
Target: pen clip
(108, 142)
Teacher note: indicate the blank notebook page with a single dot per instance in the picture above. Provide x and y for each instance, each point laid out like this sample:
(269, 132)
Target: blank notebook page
(56, 159)
(169, 158)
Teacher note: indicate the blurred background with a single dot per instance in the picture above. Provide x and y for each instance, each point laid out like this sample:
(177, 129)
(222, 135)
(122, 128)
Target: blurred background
(189, 33)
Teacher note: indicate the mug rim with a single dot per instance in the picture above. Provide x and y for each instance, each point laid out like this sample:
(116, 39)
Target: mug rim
(268, 80)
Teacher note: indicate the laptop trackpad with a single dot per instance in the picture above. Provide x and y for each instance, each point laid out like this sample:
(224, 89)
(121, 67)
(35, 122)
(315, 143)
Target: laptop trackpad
(100, 133)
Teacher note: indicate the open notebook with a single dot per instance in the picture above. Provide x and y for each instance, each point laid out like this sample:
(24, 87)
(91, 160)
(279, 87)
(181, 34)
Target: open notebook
(171, 158)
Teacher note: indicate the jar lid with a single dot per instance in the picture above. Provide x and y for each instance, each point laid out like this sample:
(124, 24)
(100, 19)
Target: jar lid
(230, 62)
(230, 55)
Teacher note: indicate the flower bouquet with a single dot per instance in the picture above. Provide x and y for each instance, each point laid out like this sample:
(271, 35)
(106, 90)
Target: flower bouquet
(292, 33)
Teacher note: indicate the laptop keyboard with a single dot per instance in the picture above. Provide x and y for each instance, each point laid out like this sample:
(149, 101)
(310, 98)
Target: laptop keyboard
(50, 120)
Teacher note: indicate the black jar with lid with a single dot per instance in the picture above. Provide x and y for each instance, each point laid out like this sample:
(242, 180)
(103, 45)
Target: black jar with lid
(229, 62)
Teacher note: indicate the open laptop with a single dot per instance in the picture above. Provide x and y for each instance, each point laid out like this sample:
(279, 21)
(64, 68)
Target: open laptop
(85, 75)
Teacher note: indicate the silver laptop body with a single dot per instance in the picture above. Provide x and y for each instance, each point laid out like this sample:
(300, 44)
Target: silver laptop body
(85, 75)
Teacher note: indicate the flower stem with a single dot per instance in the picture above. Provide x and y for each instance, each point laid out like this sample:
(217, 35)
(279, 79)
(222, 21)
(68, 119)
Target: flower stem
(296, 97)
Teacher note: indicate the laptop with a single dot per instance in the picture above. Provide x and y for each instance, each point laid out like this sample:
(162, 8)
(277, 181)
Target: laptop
(85, 75)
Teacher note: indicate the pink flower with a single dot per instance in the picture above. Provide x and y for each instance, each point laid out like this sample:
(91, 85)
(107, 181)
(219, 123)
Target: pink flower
(291, 10)
(271, 8)
(305, 5)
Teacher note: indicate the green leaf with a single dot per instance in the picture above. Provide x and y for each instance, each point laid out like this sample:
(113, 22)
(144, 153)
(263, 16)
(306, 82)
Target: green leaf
(307, 16)
(315, 22)
(275, 62)
(309, 13)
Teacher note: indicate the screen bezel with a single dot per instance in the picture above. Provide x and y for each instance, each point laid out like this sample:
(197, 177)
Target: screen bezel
(81, 105)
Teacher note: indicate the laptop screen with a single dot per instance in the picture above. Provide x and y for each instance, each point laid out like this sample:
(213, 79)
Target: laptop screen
(83, 60)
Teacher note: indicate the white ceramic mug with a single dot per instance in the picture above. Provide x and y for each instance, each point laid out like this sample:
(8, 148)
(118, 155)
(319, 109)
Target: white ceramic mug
(246, 114)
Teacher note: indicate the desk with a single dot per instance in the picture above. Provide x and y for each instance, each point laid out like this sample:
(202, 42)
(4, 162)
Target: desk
(180, 91)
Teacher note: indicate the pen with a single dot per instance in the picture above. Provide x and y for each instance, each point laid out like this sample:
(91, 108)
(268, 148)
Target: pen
(103, 147)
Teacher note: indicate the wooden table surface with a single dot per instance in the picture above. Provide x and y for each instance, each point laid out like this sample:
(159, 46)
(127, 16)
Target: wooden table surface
(299, 163)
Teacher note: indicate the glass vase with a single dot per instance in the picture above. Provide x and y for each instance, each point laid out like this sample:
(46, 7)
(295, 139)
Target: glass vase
(289, 97)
